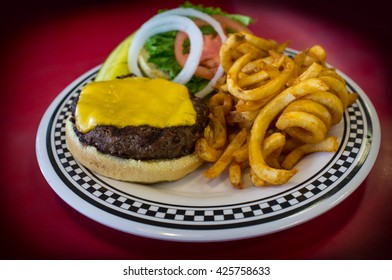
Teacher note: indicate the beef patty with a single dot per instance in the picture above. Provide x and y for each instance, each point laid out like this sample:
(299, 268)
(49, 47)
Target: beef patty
(145, 142)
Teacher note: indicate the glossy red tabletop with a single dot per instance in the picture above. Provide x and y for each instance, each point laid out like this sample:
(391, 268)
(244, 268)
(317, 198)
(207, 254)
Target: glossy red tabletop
(46, 47)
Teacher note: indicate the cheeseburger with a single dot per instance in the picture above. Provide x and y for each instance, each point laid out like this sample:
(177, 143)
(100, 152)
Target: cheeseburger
(136, 129)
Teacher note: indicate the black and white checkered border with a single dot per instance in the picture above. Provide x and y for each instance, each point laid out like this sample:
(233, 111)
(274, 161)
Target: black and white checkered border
(131, 207)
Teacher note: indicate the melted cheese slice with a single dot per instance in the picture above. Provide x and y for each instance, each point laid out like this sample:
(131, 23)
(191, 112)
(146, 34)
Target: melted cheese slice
(133, 102)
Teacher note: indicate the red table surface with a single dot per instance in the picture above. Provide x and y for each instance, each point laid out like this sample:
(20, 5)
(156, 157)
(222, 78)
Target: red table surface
(45, 47)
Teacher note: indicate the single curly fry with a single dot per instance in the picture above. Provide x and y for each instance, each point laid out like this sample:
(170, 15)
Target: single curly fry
(272, 147)
(330, 144)
(228, 50)
(238, 117)
(352, 98)
(259, 42)
(331, 102)
(332, 73)
(303, 126)
(221, 99)
(256, 181)
(215, 132)
(252, 105)
(235, 174)
(311, 107)
(337, 87)
(242, 153)
(318, 52)
(206, 152)
(313, 71)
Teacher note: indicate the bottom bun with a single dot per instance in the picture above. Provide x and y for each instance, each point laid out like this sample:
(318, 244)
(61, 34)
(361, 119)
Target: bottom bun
(131, 170)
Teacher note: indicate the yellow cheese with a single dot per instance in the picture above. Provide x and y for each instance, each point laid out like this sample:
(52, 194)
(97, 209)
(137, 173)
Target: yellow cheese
(133, 102)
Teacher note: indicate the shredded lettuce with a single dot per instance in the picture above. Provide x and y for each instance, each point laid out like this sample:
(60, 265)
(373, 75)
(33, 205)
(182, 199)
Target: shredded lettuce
(161, 46)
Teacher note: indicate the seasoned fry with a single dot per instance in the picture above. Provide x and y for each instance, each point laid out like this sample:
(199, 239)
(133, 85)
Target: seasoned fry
(332, 73)
(219, 113)
(272, 147)
(303, 126)
(215, 133)
(260, 43)
(313, 71)
(245, 48)
(235, 174)
(337, 87)
(297, 68)
(329, 144)
(254, 66)
(224, 160)
(253, 79)
(228, 49)
(270, 88)
(311, 107)
(221, 99)
(331, 102)
(241, 154)
(244, 116)
(252, 105)
(318, 53)
(206, 152)
(256, 181)
(352, 98)
(291, 144)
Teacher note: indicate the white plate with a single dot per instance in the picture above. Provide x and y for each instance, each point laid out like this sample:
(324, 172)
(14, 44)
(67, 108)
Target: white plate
(197, 209)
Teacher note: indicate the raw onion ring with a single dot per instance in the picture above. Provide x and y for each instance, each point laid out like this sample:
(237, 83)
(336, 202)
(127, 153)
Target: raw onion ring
(170, 20)
(161, 24)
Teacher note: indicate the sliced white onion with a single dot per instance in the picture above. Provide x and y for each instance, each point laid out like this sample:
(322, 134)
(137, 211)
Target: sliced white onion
(218, 28)
(158, 25)
(176, 19)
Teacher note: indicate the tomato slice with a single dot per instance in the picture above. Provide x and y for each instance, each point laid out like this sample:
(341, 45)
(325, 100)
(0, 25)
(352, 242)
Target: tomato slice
(209, 60)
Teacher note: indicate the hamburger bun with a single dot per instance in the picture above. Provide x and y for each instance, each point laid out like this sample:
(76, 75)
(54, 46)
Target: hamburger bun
(139, 171)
